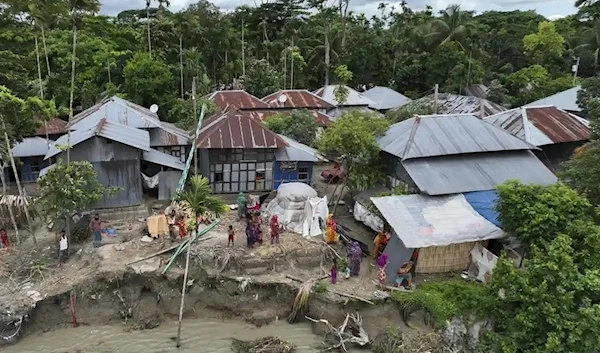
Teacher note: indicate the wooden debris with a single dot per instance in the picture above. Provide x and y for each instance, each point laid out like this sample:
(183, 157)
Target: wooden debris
(263, 345)
(350, 331)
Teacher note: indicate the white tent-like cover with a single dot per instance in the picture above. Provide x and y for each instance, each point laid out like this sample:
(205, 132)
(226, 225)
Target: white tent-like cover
(422, 221)
(298, 209)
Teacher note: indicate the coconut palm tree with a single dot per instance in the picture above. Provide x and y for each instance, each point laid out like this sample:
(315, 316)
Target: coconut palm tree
(590, 42)
(453, 25)
(197, 197)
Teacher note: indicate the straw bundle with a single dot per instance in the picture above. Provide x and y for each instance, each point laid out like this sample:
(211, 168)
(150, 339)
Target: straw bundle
(301, 300)
(263, 345)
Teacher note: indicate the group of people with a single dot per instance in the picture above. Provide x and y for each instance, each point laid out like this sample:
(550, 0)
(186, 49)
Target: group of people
(254, 234)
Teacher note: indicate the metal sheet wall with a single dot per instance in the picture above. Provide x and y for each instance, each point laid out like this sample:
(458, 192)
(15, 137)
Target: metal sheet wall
(167, 184)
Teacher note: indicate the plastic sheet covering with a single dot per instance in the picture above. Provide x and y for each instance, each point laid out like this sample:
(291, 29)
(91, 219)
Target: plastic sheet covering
(150, 182)
(484, 203)
(422, 221)
(483, 263)
(289, 205)
(315, 216)
(362, 214)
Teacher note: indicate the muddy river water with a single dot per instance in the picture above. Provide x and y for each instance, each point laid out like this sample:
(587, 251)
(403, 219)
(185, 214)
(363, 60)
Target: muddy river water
(198, 336)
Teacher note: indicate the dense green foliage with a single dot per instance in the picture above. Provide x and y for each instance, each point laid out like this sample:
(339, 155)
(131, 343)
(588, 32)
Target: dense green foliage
(552, 303)
(197, 195)
(299, 125)
(286, 44)
(67, 189)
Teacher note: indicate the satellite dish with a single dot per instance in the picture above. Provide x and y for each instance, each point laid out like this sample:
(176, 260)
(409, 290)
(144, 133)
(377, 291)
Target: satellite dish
(154, 108)
(282, 98)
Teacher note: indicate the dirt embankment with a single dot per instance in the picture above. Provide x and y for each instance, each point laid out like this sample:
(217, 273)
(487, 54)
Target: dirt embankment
(224, 282)
(144, 301)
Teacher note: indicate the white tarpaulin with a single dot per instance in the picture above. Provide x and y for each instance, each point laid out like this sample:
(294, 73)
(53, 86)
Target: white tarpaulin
(362, 214)
(315, 214)
(290, 205)
(150, 182)
(483, 263)
(421, 221)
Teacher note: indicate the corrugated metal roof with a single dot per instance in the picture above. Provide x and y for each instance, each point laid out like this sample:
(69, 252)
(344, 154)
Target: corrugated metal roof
(456, 104)
(168, 135)
(237, 98)
(54, 126)
(116, 110)
(124, 134)
(338, 112)
(297, 152)
(163, 159)
(45, 171)
(236, 129)
(542, 125)
(323, 120)
(421, 221)
(296, 99)
(31, 147)
(354, 97)
(477, 90)
(476, 172)
(443, 135)
(566, 100)
(385, 98)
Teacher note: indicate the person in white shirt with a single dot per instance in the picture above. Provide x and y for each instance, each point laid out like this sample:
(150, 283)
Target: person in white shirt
(63, 247)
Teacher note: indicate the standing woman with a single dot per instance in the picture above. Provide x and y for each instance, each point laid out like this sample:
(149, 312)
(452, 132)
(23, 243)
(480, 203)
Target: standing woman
(354, 257)
(241, 203)
(331, 230)
(381, 265)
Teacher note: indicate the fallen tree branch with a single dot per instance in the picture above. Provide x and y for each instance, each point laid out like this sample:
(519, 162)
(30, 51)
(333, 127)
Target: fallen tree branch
(161, 252)
(332, 249)
(346, 332)
(302, 281)
(10, 338)
(352, 297)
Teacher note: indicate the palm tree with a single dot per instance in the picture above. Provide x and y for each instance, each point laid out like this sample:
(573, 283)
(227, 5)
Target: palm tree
(453, 25)
(197, 197)
(590, 41)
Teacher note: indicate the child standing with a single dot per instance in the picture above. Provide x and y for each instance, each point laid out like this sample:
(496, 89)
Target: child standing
(231, 234)
(63, 247)
(334, 272)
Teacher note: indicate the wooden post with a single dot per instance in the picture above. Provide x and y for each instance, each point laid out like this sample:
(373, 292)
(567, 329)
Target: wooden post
(10, 211)
(435, 98)
(21, 192)
(185, 275)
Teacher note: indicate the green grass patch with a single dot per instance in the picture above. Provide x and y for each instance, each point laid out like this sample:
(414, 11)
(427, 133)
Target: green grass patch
(446, 299)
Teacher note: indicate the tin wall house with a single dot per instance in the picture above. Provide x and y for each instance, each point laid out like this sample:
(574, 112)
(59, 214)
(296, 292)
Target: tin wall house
(115, 151)
(294, 163)
(237, 152)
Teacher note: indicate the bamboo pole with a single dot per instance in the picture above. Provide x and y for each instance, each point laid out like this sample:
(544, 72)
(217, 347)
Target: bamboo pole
(19, 187)
(10, 211)
(185, 276)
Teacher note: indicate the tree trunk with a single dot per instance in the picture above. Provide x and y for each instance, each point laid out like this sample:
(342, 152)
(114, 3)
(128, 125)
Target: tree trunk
(21, 192)
(39, 67)
(243, 53)
(45, 50)
(341, 193)
(181, 65)
(10, 210)
(108, 70)
(292, 64)
(74, 52)
(327, 55)
(148, 20)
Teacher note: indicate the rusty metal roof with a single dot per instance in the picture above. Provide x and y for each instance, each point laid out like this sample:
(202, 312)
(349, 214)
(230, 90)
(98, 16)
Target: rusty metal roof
(296, 99)
(323, 120)
(237, 98)
(543, 125)
(55, 126)
(237, 129)
(456, 104)
(168, 134)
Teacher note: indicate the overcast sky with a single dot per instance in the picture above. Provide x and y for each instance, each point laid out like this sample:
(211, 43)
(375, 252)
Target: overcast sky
(549, 8)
